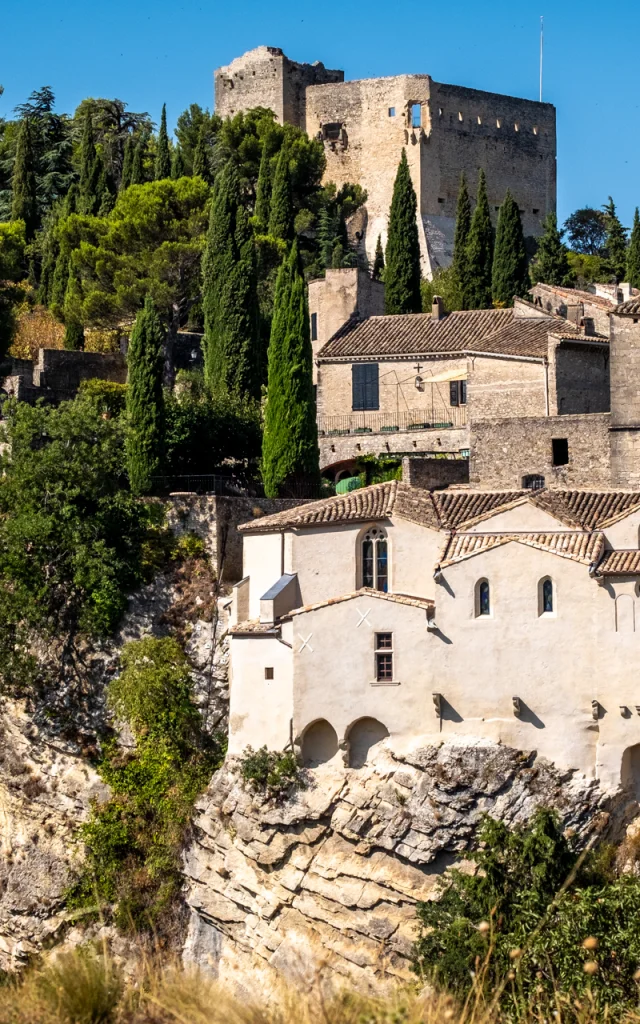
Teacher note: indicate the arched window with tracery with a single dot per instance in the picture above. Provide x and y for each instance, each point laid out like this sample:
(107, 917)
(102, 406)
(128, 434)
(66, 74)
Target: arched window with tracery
(483, 598)
(375, 559)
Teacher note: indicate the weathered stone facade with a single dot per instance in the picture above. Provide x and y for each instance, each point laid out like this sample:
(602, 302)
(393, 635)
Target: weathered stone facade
(625, 395)
(576, 306)
(58, 373)
(505, 451)
(335, 449)
(334, 298)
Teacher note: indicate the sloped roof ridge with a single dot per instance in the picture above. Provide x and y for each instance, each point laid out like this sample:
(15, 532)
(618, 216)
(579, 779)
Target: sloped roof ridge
(598, 300)
(631, 307)
(366, 503)
(587, 509)
(586, 548)
(408, 599)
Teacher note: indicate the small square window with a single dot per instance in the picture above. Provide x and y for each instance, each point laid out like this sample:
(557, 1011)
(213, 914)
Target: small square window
(536, 209)
(392, 111)
(440, 200)
(268, 673)
(314, 326)
(560, 450)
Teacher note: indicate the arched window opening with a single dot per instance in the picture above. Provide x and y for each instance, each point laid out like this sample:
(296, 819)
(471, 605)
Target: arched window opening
(375, 560)
(319, 744)
(545, 596)
(483, 598)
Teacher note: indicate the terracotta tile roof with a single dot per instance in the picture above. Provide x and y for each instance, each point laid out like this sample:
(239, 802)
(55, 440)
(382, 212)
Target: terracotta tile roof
(254, 626)
(416, 505)
(580, 547)
(575, 295)
(363, 505)
(457, 509)
(620, 563)
(588, 510)
(629, 308)
(526, 336)
(415, 602)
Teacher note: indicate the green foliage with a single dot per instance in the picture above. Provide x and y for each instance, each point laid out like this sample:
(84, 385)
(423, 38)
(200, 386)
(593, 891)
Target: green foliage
(616, 242)
(509, 274)
(402, 271)
(201, 156)
(177, 163)
(138, 162)
(264, 187)
(114, 127)
(134, 840)
(80, 987)
(231, 342)
(145, 400)
(550, 264)
(479, 252)
(127, 162)
(444, 283)
(274, 773)
(109, 396)
(163, 156)
(633, 253)
(73, 336)
(538, 898)
(12, 254)
(281, 207)
(91, 170)
(584, 269)
(24, 205)
(586, 230)
(205, 434)
(459, 282)
(377, 273)
(188, 133)
(290, 441)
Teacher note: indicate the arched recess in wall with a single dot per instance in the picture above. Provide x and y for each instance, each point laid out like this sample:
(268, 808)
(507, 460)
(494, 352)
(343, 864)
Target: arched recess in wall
(319, 743)
(630, 770)
(372, 558)
(364, 737)
(625, 614)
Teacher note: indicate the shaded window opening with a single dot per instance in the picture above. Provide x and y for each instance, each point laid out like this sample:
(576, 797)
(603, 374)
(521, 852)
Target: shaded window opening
(375, 560)
(332, 130)
(545, 596)
(365, 392)
(314, 326)
(416, 115)
(392, 111)
(536, 209)
(364, 738)
(457, 392)
(533, 482)
(384, 657)
(483, 598)
(560, 451)
(268, 673)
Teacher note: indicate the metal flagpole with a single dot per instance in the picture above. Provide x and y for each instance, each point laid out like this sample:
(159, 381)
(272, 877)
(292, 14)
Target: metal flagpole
(541, 51)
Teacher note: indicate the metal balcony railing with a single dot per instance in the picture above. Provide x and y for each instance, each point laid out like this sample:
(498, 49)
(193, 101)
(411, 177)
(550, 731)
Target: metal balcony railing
(434, 418)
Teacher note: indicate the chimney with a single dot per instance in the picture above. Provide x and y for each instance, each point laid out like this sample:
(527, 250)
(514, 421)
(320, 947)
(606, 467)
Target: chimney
(589, 326)
(437, 308)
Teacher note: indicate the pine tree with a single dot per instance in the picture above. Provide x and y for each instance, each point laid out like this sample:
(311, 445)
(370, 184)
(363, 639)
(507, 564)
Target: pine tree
(163, 155)
(616, 243)
(145, 401)
(290, 440)
(477, 294)
(461, 237)
(281, 213)
(177, 163)
(127, 163)
(633, 253)
(91, 171)
(24, 203)
(402, 258)
(137, 164)
(60, 281)
(231, 339)
(378, 262)
(201, 166)
(551, 263)
(263, 190)
(509, 276)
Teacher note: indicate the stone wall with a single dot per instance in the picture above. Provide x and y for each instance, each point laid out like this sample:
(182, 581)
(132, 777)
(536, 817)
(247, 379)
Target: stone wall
(504, 451)
(338, 296)
(505, 387)
(434, 474)
(63, 371)
(574, 305)
(578, 378)
(334, 450)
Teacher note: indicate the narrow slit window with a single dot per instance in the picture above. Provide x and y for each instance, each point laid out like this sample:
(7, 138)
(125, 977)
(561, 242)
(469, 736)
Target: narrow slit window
(547, 596)
(483, 598)
(392, 111)
(375, 560)
(268, 673)
(384, 657)
(560, 451)
(314, 326)
(416, 115)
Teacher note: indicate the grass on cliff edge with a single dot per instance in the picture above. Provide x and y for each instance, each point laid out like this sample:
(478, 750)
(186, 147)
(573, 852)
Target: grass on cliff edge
(85, 987)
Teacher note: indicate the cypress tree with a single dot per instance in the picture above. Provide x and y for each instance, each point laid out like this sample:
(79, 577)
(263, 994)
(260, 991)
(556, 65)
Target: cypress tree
(479, 252)
(290, 440)
(402, 258)
(281, 213)
(24, 203)
(616, 243)
(378, 262)
(263, 189)
(137, 163)
(231, 338)
(163, 155)
(127, 163)
(91, 171)
(326, 236)
(145, 401)
(633, 253)
(177, 163)
(337, 255)
(60, 281)
(461, 237)
(73, 336)
(509, 276)
(70, 204)
(551, 263)
(201, 166)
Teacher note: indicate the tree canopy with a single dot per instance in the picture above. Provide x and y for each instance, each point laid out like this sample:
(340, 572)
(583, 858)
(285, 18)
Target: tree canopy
(402, 258)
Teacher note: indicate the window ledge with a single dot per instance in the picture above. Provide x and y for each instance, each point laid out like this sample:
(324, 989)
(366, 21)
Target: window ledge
(389, 682)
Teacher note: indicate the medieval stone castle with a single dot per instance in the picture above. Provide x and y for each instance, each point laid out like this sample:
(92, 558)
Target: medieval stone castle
(445, 129)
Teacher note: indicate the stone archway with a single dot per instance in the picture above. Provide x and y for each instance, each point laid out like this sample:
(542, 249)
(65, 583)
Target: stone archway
(364, 737)
(630, 770)
(319, 744)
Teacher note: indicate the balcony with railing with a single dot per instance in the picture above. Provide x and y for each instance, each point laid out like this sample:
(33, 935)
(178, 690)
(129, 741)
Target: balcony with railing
(433, 418)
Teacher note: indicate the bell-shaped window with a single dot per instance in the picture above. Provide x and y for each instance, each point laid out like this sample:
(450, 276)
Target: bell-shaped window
(375, 559)
(483, 598)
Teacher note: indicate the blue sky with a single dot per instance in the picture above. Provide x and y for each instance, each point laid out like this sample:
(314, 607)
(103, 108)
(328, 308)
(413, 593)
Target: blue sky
(148, 53)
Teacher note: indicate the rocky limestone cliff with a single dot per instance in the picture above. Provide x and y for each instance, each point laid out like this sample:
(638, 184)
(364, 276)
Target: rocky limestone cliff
(331, 876)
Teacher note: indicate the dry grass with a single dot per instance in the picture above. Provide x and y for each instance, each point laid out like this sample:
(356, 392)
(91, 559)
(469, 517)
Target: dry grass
(84, 987)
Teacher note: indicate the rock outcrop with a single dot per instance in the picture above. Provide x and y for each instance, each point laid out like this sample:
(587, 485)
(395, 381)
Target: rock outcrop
(331, 876)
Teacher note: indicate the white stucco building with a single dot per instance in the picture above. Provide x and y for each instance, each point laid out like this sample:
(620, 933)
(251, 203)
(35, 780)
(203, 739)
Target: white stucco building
(399, 614)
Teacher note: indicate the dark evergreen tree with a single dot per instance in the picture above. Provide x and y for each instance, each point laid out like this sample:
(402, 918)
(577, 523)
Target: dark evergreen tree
(509, 276)
(24, 204)
(290, 441)
(177, 163)
(73, 336)
(633, 253)
(201, 164)
(281, 212)
(551, 263)
(477, 293)
(163, 155)
(616, 242)
(60, 281)
(231, 339)
(138, 175)
(145, 401)
(461, 237)
(70, 204)
(263, 190)
(337, 255)
(127, 162)
(378, 262)
(402, 258)
(326, 235)
(91, 171)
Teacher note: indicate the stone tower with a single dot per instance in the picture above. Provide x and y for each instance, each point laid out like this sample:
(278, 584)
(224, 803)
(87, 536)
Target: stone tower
(625, 394)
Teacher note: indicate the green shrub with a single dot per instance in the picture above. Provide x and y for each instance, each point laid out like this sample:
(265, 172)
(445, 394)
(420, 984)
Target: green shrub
(189, 545)
(110, 396)
(273, 772)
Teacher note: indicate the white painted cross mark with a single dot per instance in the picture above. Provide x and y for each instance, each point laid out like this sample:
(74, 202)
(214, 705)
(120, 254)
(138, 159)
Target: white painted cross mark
(305, 643)
(363, 617)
